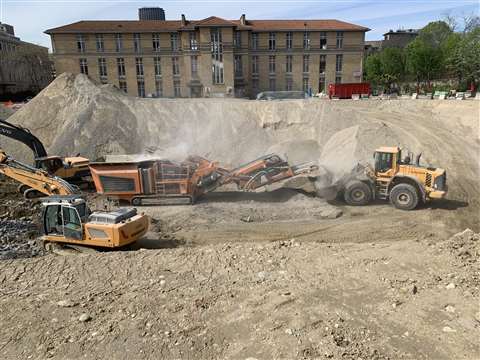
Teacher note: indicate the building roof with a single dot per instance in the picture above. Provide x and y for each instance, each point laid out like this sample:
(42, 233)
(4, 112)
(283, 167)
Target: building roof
(213, 21)
(402, 32)
(292, 25)
(133, 26)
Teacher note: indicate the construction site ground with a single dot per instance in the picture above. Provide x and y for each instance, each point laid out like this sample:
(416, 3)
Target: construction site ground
(278, 274)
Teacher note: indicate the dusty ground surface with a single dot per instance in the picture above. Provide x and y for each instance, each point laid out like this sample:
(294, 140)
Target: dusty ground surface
(410, 299)
(254, 276)
(257, 275)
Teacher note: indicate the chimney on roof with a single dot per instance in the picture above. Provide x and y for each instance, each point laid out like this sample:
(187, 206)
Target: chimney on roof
(184, 20)
(243, 20)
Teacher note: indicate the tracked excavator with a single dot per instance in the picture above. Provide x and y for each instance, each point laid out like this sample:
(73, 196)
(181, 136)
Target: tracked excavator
(395, 179)
(66, 218)
(73, 169)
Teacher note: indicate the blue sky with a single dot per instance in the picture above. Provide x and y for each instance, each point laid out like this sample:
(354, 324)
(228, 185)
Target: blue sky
(32, 17)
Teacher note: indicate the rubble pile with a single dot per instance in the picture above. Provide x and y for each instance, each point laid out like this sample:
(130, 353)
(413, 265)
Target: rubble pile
(464, 249)
(18, 238)
(19, 223)
(466, 246)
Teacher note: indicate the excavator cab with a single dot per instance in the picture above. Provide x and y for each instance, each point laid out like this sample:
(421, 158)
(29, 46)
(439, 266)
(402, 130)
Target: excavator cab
(64, 216)
(50, 164)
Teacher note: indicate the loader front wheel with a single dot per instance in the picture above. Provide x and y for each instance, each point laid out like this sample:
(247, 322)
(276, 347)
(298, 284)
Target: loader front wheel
(404, 197)
(357, 193)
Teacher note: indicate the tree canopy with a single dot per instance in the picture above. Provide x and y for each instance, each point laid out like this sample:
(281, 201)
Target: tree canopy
(438, 52)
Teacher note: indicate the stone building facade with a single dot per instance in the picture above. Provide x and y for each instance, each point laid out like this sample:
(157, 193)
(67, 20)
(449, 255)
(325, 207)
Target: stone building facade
(213, 56)
(25, 68)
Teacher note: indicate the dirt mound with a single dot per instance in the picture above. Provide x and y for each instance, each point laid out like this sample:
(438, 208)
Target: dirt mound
(19, 223)
(75, 115)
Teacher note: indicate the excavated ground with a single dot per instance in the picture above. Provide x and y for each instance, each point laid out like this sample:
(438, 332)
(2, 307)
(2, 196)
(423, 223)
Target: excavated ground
(254, 275)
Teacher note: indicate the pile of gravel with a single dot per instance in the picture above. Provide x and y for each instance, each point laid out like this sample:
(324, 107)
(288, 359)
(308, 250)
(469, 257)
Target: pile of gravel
(19, 239)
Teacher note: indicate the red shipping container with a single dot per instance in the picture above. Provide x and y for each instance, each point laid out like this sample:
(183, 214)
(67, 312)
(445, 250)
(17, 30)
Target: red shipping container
(345, 91)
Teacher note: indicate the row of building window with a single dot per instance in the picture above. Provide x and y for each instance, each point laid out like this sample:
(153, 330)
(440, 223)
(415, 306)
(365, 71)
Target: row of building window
(306, 86)
(122, 84)
(121, 69)
(217, 66)
(193, 41)
(289, 64)
(100, 42)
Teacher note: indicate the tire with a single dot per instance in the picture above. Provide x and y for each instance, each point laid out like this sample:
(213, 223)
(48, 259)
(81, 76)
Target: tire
(136, 201)
(404, 197)
(357, 193)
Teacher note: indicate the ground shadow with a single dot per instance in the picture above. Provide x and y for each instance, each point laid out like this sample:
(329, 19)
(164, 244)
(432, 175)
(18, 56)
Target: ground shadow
(445, 204)
(276, 196)
(152, 242)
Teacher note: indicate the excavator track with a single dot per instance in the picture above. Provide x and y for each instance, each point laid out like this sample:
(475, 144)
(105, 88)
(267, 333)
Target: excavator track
(67, 249)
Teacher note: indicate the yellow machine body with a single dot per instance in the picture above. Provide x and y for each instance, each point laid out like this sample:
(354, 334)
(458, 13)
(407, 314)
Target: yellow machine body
(66, 220)
(424, 177)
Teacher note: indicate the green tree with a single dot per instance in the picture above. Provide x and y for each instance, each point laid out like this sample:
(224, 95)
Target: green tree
(424, 62)
(373, 68)
(427, 54)
(386, 67)
(464, 60)
(435, 33)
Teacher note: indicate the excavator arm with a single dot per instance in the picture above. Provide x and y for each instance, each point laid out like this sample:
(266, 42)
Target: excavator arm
(24, 136)
(36, 179)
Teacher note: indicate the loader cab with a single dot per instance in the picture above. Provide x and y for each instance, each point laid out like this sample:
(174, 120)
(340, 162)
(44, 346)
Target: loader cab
(63, 216)
(386, 161)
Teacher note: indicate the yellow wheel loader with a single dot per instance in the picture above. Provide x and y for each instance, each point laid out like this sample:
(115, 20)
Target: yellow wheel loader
(395, 179)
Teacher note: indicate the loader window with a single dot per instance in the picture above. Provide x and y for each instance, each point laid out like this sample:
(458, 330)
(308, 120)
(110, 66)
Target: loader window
(383, 161)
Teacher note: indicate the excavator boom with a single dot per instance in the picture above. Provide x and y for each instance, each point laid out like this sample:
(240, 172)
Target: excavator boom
(24, 136)
(34, 178)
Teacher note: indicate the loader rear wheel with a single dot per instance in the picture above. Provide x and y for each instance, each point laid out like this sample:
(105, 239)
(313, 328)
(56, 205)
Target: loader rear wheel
(404, 197)
(357, 193)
